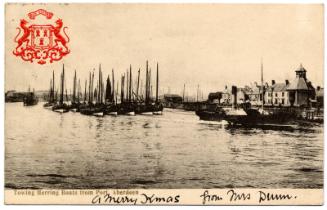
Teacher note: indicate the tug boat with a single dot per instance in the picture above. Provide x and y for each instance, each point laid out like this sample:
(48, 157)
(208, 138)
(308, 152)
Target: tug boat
(30, 99)
(216, 114)
(259, 117)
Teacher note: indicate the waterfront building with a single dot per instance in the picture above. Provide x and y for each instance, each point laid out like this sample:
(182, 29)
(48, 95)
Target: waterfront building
(241, 95)
(226, 97)
(320, 96)
(277, 94)
(253, 94)
(300, 90)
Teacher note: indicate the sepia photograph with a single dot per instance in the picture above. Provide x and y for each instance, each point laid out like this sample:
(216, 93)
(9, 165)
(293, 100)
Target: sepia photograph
(145, 100)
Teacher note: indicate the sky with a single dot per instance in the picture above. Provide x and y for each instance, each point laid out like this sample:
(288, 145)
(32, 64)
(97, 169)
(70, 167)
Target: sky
(210, 45)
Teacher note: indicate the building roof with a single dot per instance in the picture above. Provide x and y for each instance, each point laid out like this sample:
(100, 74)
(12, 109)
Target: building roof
(279, 87)
(298, 83)
(301, 68)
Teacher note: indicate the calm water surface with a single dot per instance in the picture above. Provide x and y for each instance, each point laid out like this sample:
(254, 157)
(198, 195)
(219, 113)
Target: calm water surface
(44, 149)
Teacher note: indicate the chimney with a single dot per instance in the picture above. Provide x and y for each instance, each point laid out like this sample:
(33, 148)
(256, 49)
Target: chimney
(309, 84)
(234, 93)
(318, 88)
(272, 82)
(287, 82)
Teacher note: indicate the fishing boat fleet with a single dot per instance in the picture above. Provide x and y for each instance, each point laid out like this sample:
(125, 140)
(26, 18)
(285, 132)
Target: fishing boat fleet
(103, 98)
(129, 96)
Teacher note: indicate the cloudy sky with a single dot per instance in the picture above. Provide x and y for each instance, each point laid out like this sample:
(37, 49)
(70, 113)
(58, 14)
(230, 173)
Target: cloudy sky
(210, 45)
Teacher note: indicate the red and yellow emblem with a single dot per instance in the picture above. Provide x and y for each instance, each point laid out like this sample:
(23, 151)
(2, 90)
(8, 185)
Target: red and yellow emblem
(41, 42)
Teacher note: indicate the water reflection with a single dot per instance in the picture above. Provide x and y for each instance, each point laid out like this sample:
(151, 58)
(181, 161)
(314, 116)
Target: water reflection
(174, 150)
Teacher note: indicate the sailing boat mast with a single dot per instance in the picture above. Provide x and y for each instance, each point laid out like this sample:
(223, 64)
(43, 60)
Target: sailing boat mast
(157, 83)
(150, 85)
(85, 91)
(67, 95)
(146, 84)
(74, 88)
(138, 83)
(262, 84)
(79, 91)
(89, 88)
(53, 87)
(113, 86)
(92, 87)
(50, 91)
(122, 89)
(108, 95)
(197, 93)
(130, 83)
(99, 86)
(127, 83)
(102, 89)
(62, 85)
(184, 93)
(116, 93)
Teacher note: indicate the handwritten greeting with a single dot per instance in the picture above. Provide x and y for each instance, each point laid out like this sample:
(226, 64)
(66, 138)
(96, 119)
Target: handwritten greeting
(171, 196)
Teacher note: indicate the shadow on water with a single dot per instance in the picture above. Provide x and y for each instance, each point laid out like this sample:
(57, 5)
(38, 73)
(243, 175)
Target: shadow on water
(61, 121)
(236, 129)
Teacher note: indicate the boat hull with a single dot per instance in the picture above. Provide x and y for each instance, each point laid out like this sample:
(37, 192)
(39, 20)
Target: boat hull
(61, 110)
(147, 113)
(112, 113)
(98, 114)
(130, 113)
(157, 113)
(210, 116)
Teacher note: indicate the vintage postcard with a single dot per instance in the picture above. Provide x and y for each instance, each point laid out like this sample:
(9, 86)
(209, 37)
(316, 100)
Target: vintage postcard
(164, 104)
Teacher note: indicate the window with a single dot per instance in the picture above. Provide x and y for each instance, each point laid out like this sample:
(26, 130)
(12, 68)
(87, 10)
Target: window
(275, 94)
(283, 101)
(276, 102)
(283, 94)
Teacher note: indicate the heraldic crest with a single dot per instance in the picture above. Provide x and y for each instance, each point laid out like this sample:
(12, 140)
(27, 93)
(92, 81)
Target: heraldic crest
(41, 42)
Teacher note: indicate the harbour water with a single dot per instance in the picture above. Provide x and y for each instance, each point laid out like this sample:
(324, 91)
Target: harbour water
(44, 149)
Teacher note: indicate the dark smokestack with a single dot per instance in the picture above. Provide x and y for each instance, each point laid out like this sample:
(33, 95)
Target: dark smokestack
(234, 93)
(273, 82)
(287, 82)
